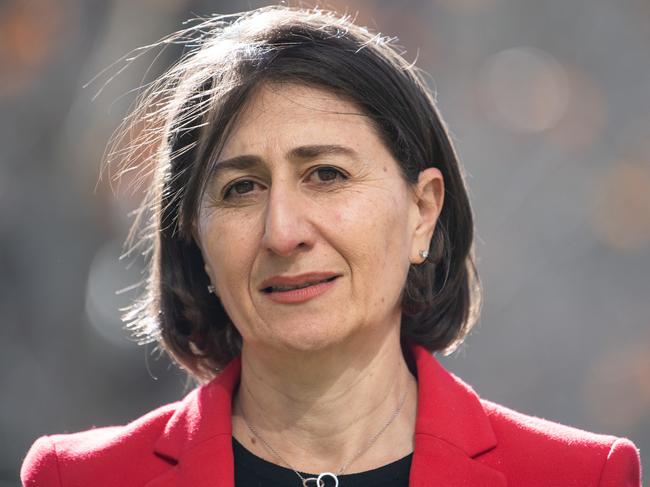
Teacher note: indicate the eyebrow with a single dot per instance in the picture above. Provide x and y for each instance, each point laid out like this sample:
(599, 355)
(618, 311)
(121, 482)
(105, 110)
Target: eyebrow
(301, 153)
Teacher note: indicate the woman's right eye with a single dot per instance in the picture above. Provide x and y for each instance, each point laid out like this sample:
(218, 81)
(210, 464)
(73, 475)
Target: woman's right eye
(239, 188)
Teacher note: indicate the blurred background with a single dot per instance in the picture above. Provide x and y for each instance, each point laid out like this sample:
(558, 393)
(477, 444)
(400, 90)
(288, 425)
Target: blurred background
(549, 104)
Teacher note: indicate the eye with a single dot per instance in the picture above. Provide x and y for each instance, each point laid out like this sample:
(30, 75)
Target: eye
(326, 174)
(239, 188)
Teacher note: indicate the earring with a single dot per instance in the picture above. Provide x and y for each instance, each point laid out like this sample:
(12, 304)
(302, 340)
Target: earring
(210, 288)
(424, 254)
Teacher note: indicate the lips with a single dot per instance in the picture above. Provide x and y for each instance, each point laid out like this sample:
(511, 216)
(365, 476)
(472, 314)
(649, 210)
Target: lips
(279, 284)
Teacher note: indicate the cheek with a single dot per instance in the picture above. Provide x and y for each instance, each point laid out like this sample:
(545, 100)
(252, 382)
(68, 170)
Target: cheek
(374, 233)
(226, 250)
(379, 221)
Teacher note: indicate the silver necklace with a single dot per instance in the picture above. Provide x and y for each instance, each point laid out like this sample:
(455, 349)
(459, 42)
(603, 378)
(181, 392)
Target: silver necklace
(320, 480)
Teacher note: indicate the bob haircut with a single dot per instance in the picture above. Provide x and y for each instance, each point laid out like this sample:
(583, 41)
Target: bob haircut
(187, 115)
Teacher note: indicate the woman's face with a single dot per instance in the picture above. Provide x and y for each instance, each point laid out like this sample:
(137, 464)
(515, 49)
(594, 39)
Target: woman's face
(308, 229)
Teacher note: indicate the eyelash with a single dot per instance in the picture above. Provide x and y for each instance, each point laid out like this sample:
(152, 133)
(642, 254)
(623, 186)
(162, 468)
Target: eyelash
(228, 190)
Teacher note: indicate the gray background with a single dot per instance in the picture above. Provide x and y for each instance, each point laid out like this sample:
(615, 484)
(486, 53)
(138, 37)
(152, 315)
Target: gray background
(549, 104)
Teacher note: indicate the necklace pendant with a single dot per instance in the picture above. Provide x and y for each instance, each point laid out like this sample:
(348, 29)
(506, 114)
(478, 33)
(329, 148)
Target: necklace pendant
(324, 475)
(312, 482)
(320, 480)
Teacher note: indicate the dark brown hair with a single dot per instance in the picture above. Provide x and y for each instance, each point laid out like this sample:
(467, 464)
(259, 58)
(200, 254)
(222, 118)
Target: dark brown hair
(187, 115)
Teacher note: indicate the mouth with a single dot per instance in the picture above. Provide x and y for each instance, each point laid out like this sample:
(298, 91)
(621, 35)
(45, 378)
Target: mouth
(288, 287)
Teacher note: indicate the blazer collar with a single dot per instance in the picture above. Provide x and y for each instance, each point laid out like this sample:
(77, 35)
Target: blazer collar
(451, 431)
(203, 415)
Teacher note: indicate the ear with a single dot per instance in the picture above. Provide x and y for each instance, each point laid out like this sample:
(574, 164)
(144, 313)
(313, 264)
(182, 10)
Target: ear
(428, 197)
(208, 271)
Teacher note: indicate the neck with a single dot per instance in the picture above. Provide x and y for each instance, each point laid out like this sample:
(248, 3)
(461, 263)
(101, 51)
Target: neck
(321, 410)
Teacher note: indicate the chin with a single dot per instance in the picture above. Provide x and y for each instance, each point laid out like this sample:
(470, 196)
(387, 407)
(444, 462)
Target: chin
(312, 338)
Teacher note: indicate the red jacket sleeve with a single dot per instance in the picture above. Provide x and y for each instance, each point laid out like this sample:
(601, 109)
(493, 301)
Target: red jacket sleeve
(622, 467)
(41, 468)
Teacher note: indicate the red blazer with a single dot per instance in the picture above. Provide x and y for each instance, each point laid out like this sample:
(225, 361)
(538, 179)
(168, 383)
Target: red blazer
(460, 440)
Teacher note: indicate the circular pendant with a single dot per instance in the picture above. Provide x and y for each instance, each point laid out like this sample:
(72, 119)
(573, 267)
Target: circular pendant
(321, 482)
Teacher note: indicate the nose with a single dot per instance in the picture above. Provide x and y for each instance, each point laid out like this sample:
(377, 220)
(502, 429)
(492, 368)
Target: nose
(287, 229)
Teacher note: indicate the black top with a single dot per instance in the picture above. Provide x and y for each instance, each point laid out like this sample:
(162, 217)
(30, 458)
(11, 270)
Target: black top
(253, 471)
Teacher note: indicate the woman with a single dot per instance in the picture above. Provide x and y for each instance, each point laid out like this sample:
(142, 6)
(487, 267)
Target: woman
(312, 240)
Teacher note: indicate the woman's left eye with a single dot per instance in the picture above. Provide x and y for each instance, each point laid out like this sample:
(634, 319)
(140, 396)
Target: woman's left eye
(326, 174)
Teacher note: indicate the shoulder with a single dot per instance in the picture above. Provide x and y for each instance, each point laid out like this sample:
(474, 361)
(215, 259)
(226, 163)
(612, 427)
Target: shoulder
(49, 460)
(523, 449)
(536, 445)
(142, 451)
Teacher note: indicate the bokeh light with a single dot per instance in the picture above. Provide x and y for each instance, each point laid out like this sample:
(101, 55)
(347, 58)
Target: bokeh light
(30, 34)
(585, 116)
(523, 89)
(621, 206)
(108, 291)
(617, 390)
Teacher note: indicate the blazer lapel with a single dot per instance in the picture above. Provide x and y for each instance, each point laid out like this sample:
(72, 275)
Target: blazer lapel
(197, 440)
(452, 430)
(437, 463)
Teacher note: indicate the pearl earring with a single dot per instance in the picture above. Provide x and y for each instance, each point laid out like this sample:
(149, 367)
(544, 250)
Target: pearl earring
(210, 288)
(424, 254)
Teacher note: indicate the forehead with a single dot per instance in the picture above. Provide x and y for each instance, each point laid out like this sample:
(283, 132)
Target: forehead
(284, 115)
